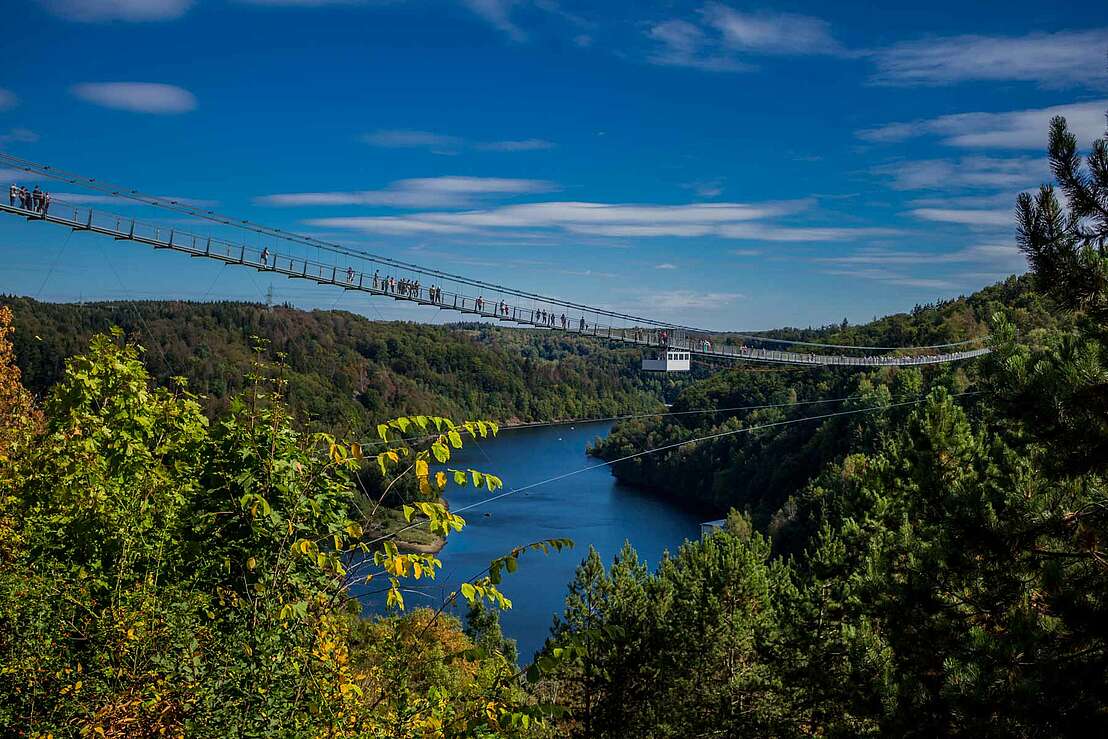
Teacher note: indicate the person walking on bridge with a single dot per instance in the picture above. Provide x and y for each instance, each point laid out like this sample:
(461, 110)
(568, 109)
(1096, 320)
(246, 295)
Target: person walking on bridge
(45, 204)
(265, 256)
(13, 194)
(36, 199)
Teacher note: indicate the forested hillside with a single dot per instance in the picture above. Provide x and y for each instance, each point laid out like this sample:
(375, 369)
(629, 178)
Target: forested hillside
(345, 371)
(758, 472)
(941, 322)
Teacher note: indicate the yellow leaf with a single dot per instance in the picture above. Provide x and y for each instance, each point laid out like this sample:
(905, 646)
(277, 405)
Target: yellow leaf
(421, 468)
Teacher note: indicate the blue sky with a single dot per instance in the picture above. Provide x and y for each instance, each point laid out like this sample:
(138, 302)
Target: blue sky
(728, 165)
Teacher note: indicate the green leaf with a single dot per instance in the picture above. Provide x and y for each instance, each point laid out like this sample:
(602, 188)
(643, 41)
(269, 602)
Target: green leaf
(469, 592)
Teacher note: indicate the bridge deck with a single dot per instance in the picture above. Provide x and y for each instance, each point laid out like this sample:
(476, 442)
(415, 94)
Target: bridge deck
(127, 229)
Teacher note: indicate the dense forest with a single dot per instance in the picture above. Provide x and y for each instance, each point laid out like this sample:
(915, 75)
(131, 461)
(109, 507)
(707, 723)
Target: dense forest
(929, 562)
(345, 372)
(759, 471)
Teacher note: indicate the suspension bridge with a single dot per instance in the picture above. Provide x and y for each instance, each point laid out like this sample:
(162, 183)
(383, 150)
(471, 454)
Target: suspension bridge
(382, 276)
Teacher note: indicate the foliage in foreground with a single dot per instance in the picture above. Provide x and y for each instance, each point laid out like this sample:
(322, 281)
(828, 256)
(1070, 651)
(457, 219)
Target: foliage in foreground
(163, 574)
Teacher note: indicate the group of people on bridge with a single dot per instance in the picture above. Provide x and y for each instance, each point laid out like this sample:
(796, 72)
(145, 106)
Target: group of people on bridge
(36, 201)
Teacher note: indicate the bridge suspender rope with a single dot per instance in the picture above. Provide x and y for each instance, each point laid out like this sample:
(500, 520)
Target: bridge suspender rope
(635, 329)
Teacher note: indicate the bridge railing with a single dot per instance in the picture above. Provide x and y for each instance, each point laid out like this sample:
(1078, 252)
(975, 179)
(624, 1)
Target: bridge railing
(366, 275)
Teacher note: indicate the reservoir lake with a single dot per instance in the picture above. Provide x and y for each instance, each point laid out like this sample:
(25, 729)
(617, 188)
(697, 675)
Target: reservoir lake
(590, 508)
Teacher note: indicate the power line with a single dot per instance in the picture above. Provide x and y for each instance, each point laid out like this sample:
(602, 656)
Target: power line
(626, 417)
(664, 448)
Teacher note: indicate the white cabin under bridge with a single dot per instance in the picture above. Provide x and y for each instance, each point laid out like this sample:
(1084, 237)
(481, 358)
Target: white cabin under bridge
(670, 360)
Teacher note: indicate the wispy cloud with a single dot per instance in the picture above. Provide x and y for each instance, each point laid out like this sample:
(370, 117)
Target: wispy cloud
(721, 39)
(136, 11)
(137, 97)
(300, 3)
(498, 14)
(18, 136)
(768, 232)
(521, 145)
(440, 143)
(746, 252)
(892, 277)
(1051, 59)
(8, 99)
(407, 139)
(710, 188)
(674, 300)
(665, 265)
(683, 44)
(967, 172)
(18, 175)
(1006, 199)
(742, 221)
(1018, 129)
(430, 192)
(973, 217)
(1000, 255)
(771, 33)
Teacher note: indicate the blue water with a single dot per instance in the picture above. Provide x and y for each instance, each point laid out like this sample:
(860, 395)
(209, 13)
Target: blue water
(590, 508)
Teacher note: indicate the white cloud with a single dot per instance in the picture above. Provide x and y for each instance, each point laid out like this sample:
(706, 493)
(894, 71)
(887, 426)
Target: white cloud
(1018, 129)
(746, 252)
(1005, 199)
(891, 277)
(401, 139)
(299, 3)
(722, 37)
(439, 143)
(669, 300)
(762, 232)
(971, 172)
(999, 255)
(771, 33)
(18, 175)
(711, 188)
(8, 99)
(1052, 59)
(522, 145)
(665, 265)
(137, 97)
(723, 220)
(975, 217)
(430, 192)
(682, 44)
(95, 11)
(498, 13)
(18, 136)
